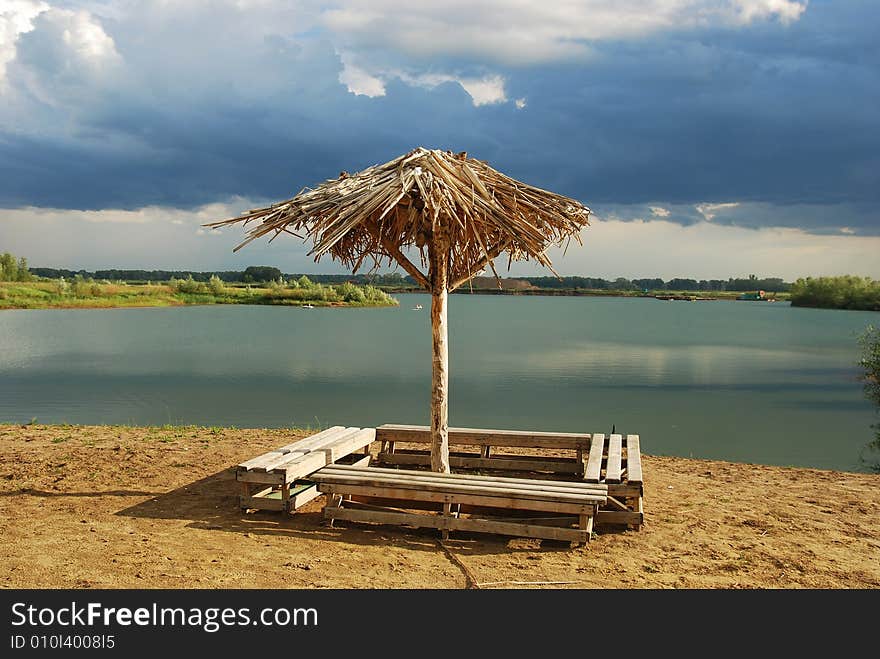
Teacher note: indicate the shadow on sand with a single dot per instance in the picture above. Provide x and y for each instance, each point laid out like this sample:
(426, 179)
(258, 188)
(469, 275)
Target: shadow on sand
(212, 504)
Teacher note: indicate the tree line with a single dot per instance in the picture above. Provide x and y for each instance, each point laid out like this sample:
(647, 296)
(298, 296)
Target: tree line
(251, 274)
(262, 273)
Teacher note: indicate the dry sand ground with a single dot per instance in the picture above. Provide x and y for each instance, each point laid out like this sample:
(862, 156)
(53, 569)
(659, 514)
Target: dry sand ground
(114, 507)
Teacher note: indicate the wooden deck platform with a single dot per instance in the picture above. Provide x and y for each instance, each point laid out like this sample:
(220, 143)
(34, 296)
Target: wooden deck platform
(519, 500)
(449, 502)
(593, 458)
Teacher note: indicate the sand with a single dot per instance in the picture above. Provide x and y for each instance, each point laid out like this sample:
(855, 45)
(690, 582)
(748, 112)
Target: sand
(125, 507)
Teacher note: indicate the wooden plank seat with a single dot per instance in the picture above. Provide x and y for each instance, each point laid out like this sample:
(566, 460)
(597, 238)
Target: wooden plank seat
(389, 435)
(617, 464)
(594, 458)
(562, 510)
(278, 479)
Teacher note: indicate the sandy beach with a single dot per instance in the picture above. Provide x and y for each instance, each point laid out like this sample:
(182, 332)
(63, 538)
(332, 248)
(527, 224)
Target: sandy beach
(131, 507)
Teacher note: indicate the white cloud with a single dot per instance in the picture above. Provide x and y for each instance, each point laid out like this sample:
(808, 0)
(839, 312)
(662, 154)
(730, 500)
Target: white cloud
(659, 248)
(16, 18)
(171, 238)
(786, 10)
(358, 81)
(709, 211)
(64, 51)
(148, 215)
(524, 31)
(659, 211)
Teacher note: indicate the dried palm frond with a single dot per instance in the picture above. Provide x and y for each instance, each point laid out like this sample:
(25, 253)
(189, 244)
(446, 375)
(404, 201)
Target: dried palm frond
(383, 210)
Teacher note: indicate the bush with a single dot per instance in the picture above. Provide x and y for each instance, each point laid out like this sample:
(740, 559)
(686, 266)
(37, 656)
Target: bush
(82, 287)
(12, 270)
(351, 293)
(188, 285)
(216, 285)
(847, 292)
(870, 363)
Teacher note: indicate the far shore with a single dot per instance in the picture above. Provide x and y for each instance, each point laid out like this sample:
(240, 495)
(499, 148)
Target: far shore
(157, 507)
(59, 294)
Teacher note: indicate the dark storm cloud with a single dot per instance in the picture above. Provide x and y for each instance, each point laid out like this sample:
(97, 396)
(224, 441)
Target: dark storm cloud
(780, 118)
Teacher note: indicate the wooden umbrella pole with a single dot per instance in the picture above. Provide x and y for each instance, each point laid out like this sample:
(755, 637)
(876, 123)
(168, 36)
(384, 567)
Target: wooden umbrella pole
(438, 259)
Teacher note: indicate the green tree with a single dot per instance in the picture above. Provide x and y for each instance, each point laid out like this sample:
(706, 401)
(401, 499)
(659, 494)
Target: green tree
(23, 272)
(216, 285)
(8, 267)
(261, 273)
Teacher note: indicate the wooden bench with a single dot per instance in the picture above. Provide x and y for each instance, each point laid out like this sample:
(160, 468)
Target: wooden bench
(276, 480)
(594, 458)
(389, 435)
(618, 465)
(456, 502)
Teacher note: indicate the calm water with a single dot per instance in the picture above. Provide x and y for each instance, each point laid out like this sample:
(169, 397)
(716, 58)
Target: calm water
(749, 382)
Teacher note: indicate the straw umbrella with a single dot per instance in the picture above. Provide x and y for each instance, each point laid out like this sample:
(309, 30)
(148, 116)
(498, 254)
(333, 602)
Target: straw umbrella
(455, 213)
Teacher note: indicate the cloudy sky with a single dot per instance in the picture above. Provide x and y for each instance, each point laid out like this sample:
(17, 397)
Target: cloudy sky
(711, 138)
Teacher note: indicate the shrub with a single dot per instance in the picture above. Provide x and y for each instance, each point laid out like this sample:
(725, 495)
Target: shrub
(216, 285)
(351, 293)
(870, 363)
(81, 286)
(847, 292)
(188, 285)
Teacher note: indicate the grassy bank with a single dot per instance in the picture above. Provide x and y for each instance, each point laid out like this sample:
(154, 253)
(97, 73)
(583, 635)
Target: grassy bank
(86, 294)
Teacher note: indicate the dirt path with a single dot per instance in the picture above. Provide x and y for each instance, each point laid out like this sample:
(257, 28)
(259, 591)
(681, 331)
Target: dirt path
(113, 507)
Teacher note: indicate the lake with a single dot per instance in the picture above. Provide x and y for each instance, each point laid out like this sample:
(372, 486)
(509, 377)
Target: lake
(742, 381)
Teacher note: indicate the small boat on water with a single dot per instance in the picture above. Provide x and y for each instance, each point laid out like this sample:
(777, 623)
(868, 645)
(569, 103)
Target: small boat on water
(417, 307)
(308, 306)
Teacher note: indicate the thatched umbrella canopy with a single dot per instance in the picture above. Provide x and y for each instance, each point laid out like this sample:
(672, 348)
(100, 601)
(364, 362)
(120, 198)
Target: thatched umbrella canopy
(456, 212)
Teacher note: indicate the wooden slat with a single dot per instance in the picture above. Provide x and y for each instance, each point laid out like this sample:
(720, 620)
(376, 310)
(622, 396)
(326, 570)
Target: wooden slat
(272, 456)
(618, 517)
(244, 476)
(624, 490)
(304, 466)
(458, 524)
(348, 444)
(594, 462)
(302, 497)
(458, 488)
(313, 440)
(263, 503)
(432, 479)
(612, 469)
(457, 497)
(633, 459)
(500, 462)
(310, 445)
(484, 437)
